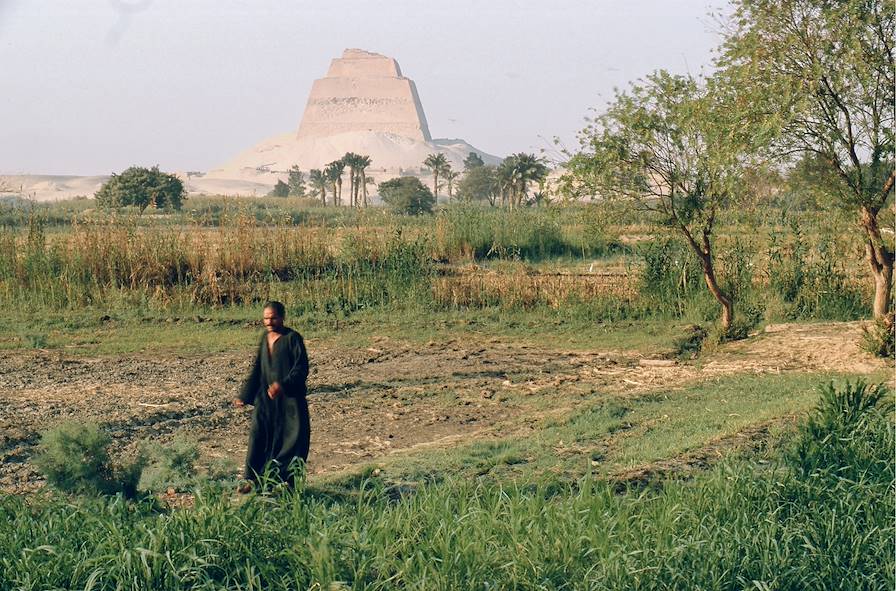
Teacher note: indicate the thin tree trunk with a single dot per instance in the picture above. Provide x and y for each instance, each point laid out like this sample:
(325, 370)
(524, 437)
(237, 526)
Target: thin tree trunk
(880, 258)
(364, 186)
(713, 285)
(709, 275)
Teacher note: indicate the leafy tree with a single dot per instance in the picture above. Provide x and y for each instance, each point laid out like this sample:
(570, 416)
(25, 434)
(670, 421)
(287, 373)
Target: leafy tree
(826, 69)
(296, 182)
(670, 146)
(479, 184)
(319, 183)
(142, 187)
(281, 189)
(407, 195)
(473, 160)
(436, 163)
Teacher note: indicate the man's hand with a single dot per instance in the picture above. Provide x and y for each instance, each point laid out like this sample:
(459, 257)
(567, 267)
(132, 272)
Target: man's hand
(238, 403)
(274, 390)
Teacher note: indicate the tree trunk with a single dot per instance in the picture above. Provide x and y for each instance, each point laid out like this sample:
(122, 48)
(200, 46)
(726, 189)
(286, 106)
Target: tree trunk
(880, 258)
(727, 305)
(709, 275)
(351, 187)
(364, 186)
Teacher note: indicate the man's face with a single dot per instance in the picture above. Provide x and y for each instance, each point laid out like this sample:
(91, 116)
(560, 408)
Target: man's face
(272, 322)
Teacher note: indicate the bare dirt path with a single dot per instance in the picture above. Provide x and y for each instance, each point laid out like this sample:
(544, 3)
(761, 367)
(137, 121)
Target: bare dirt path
(367, 403)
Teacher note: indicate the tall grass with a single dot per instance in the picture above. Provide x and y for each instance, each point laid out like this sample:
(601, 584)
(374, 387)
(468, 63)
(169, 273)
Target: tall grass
(821, 518)
(325, 262)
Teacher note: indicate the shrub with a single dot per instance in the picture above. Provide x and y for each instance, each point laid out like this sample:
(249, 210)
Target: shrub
(688, 345)
(171, 465)
(878, 339)
(74, 458)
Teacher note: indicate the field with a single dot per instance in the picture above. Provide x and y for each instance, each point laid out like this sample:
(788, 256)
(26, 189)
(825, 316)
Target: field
(548, 353)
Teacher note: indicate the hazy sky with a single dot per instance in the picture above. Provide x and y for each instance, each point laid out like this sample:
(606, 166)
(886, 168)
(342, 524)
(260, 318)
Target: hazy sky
(94, 86)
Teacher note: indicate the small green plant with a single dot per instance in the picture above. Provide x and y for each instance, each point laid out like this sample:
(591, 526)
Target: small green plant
(170, 465)
(878, 338)
(74, 458)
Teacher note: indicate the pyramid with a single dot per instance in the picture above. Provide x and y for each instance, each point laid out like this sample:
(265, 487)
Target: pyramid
(364, 105)
(364, 92)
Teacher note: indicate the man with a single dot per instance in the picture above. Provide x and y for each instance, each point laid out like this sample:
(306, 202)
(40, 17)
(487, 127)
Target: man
(281, 429)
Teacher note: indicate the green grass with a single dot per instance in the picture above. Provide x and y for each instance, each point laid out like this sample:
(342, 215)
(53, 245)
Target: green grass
(773, 526)
(612, 432)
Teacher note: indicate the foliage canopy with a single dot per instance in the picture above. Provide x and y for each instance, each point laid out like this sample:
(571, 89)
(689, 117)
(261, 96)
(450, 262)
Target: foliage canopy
(142, 187)
(407, 195)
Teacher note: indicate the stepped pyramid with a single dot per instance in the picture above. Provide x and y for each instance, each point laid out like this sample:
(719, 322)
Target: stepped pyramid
(364, 105)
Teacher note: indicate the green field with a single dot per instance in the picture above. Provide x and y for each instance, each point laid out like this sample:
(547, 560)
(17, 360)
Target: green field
(582, 468)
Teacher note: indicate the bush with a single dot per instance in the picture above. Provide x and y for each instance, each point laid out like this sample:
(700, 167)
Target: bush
(171, 465)
(407, 195)
(878, 339)
(74, 458)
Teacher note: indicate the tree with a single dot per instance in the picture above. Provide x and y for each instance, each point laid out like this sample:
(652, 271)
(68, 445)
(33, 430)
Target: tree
(296, 182)
(436, 163)
(318, 182)
(350, 159)
(827, 70)
(333, 172)
(670, 146)
(479, 184)
(281, 189)
(357, 164)
(363, 162)
(473, 160)
(407, 195)
(450, 177)
(514, 175)
(142, 187)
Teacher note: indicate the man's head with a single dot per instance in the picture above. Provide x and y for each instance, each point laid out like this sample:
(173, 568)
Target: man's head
(274, 314)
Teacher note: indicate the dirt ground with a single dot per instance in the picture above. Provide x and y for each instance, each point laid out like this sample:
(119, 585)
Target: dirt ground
(368, 403)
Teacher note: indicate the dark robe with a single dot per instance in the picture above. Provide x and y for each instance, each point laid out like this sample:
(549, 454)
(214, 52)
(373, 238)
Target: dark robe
(281, 429)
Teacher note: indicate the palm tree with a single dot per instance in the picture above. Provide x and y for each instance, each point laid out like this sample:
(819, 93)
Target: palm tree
(450, 177)
(318, 182)
(529, 168)
(506, 175)
(362, 163)
(352, 160)
(436, 163)
(334, 171)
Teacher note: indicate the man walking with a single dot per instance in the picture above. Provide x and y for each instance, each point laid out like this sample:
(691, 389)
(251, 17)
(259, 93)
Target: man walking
(276, 387)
